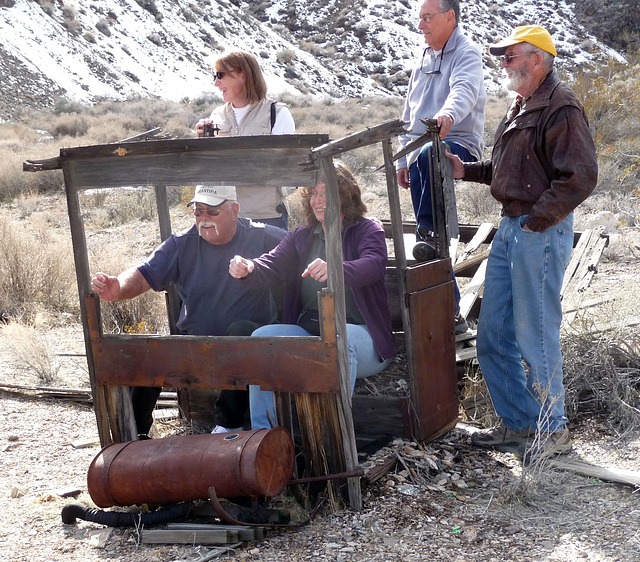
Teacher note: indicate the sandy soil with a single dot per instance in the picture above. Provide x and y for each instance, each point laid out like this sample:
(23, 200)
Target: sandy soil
(445, 501)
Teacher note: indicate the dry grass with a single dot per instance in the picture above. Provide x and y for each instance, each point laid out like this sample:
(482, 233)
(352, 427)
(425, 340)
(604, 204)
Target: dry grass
(30, 350)
(36, 268)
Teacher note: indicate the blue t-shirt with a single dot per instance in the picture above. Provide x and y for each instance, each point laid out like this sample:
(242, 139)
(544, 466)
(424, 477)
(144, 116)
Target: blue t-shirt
(211, 298)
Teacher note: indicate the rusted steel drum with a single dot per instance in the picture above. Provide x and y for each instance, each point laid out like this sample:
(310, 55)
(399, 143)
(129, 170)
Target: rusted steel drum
(181, 468)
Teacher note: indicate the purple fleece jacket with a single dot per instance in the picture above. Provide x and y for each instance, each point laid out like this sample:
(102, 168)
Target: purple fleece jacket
(365, 259)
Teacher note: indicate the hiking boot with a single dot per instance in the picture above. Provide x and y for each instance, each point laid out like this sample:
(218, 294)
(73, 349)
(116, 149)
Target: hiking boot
(501, 438)
(423, 251)
(546, 445)
(461, 324)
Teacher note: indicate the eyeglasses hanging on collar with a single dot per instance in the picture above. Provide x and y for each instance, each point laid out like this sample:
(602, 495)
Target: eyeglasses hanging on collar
(435, 71)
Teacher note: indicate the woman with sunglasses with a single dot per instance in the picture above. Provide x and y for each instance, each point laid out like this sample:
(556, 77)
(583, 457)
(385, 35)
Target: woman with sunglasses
(248, 111)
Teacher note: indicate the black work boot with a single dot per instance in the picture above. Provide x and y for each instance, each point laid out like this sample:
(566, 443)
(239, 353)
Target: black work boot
(425, 249)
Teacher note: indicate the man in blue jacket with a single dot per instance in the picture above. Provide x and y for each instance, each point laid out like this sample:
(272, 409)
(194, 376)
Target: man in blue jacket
(446, 85)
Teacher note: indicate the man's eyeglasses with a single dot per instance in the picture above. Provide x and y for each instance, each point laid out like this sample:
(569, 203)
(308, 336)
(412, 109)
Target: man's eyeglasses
(508, 58)
(211, 211)
(219, 75)
(426, 18)
(435, 71)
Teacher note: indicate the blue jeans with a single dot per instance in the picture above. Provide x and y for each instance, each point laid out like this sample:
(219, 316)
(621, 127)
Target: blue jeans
(421, 192)
(281, 222)
(520, 322)
(363, 362)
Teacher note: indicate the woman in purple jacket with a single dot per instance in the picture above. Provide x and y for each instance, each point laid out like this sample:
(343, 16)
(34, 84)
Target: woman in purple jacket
(300, 261)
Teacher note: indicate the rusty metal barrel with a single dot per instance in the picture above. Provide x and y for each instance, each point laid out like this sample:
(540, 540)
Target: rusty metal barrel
(181, 468)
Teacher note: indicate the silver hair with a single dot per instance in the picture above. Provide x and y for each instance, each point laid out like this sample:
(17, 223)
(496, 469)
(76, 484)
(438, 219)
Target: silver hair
(446, 5)
(547, 58)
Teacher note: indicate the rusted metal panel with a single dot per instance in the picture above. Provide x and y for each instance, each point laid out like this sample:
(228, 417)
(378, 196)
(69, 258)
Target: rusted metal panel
(433, 385)
(290, 364)
(429, 274)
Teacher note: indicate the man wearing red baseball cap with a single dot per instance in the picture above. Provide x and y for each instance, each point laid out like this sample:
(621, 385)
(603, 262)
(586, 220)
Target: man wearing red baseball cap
(543, 165)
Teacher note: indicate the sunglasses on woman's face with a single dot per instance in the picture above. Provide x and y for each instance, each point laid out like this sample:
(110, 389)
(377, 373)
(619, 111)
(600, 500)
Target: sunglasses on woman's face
(220, 75)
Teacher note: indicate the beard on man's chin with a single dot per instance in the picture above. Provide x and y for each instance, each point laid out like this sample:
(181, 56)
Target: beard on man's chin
(514, 82)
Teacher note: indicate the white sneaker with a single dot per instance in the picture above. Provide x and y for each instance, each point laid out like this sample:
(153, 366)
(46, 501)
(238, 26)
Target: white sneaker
(220, 429)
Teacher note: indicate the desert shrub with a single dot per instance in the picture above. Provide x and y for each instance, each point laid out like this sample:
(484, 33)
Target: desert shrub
(36, 268)
(286, 56)
(31, 351)
(602, 377)
(69, 125)
(103, 26)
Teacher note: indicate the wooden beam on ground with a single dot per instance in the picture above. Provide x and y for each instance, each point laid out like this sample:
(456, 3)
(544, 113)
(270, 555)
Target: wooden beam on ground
(618, 475)
(245, 533)
(466, 354)
(209, 536)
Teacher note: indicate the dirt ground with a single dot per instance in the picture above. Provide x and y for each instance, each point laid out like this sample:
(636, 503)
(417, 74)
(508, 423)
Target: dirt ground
(446, 501)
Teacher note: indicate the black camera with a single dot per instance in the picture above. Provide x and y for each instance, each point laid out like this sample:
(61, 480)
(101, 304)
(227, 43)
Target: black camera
(210, 130)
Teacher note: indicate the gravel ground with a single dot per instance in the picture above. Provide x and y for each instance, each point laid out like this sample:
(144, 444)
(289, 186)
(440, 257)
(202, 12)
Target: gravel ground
(444, 501)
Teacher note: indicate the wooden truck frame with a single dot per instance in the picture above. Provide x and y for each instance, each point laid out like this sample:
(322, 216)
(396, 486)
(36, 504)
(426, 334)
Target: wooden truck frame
(425, 300)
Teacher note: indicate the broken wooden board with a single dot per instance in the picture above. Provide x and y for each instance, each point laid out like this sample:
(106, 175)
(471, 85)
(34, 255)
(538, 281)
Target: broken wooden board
(581, 269)
(472, 290)
(618, 475)
(478, 238)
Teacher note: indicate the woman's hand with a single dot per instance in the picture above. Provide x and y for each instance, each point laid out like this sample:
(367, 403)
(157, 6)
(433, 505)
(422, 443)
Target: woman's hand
(240, 267)
(317, 270)
(200, 127)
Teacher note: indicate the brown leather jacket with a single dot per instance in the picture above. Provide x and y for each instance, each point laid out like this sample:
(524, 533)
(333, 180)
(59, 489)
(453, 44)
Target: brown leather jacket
(543, 162)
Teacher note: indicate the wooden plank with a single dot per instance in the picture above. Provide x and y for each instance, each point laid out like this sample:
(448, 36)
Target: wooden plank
(468, 335)
(579, 264)
(472, 290)
(619, 475)
(466, 354)
(367, 137)
(185, 361)
(587, 303)
(381, 416)
(244, 533)
(346, 437)
(266, 167)
(155, 536)
(86, 442)
(428, 274)
(478, 238)
(469, 267)
(120, 151)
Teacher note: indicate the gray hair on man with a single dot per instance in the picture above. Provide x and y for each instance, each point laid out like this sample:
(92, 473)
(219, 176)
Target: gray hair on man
(446, 5)
(547, 58)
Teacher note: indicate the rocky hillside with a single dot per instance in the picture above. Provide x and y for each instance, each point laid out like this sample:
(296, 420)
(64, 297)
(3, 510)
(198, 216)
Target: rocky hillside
(121, 49)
